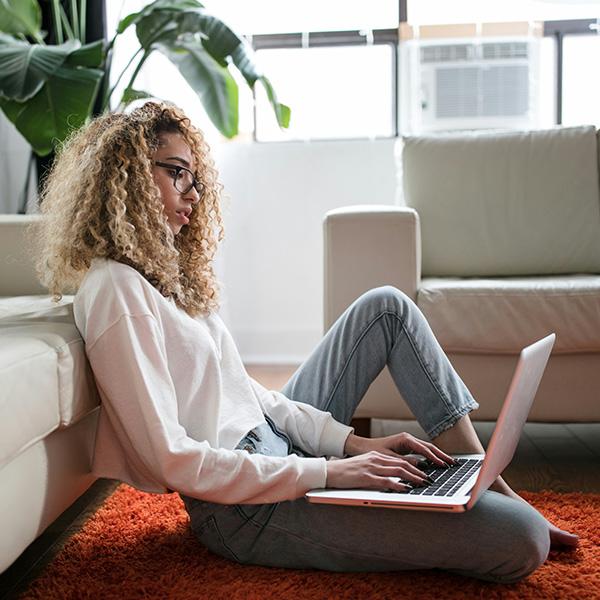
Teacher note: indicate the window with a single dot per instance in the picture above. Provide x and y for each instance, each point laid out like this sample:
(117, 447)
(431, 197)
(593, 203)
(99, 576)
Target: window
(358, 69)
(333, 62)
(576, 90)
(543, 86)
(580, 86)
(335, 91)
(434, 12)
(294, 16)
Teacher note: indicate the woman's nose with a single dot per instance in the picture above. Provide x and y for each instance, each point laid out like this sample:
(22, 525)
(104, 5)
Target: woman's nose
(193, 195)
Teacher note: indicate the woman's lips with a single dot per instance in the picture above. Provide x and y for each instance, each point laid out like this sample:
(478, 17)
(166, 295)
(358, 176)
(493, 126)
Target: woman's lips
(182, 218)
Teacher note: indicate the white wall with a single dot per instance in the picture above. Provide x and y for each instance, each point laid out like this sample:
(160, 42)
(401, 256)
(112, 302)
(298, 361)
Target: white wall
(271, 261)
(15, 154)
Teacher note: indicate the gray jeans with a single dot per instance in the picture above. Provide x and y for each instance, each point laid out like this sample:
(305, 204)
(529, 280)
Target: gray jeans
(500, 539)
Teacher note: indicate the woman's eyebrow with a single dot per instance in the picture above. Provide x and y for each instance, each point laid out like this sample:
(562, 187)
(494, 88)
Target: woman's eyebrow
(184, 162)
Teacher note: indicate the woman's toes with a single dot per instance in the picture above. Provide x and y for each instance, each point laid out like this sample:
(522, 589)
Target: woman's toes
(560, 538)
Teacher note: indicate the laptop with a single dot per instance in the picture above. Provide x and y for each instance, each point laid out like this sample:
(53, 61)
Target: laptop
(457, 488)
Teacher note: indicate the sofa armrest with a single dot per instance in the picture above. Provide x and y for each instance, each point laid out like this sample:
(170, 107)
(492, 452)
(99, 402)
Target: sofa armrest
(17, 273)
(368, 246)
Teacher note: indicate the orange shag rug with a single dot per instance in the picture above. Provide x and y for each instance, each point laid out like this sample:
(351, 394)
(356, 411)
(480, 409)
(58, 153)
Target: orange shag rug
(139, 545)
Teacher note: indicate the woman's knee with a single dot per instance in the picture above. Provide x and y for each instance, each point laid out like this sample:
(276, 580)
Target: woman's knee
(527, 543)
(387, 297)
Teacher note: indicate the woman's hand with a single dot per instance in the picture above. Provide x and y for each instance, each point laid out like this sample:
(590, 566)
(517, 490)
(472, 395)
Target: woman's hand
(378, 463)
(373, 470)
(398, 445)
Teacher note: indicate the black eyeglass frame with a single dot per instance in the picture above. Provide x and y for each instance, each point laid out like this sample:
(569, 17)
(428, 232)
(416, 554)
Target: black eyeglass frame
(178, 168)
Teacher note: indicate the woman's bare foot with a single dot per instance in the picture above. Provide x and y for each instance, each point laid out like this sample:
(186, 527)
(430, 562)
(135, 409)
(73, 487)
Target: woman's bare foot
(561, 538)
(462, 438)
(558, 537)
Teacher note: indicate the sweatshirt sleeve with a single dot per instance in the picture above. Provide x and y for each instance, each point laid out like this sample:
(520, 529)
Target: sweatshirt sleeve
(308, 427)
(138, 395)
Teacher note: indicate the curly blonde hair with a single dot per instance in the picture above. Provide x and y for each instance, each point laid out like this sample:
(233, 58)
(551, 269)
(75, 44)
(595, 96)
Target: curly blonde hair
(100, 200)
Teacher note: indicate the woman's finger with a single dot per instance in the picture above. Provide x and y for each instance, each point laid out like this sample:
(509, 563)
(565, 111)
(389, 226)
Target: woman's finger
(415, 471)
(428, 450)
(392, 484)
(422, 449)
(390, 465)
(409, 442)
(403, 472)
(413, 459)
(393, 460)
(439, 453)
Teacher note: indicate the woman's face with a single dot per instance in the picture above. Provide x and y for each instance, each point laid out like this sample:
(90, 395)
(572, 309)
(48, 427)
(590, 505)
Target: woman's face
(174, 152)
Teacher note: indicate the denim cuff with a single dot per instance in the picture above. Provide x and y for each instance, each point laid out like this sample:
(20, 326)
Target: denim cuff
(452, 419)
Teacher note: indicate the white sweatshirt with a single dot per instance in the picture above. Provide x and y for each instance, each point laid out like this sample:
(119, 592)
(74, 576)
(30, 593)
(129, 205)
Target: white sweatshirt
(176, 399)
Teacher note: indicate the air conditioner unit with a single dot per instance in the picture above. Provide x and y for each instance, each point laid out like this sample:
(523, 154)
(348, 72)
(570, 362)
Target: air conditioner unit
(473, 83)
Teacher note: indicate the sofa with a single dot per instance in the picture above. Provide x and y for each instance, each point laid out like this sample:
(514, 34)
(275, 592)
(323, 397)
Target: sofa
(496, 237)
(48, 400)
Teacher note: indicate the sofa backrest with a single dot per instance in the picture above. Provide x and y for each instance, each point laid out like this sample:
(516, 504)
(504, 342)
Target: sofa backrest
(17, 274)
(505, 203)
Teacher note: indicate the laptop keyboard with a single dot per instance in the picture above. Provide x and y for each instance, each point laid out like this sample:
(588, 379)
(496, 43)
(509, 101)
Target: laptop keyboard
(446, 480)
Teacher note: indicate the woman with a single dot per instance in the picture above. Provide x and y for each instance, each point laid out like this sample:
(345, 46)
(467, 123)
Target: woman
(132, 219)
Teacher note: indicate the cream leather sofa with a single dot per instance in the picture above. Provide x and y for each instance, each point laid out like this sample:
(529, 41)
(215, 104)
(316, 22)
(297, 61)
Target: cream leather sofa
(498, 242)
(48, 400)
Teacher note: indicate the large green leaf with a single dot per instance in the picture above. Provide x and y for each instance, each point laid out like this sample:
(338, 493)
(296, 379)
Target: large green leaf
(130, 94)
(157, 27)
(212, 82)
(20, 17)
(63, 104)
(222, 43)
(162, 25)
(218, 40)
(282, 112)
(170, 5)
(26, 67)
(242, 59)
(89, 55)
(202, 47)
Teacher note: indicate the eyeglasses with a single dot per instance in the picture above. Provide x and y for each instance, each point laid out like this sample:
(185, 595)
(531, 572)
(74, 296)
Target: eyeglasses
(183, 179)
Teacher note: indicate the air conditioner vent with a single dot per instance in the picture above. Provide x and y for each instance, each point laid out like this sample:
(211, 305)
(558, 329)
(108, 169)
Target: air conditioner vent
(469, 52)
(504, 50)
(468, 92)
(447, 53)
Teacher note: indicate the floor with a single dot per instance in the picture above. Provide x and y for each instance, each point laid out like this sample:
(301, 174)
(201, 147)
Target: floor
(559, 457)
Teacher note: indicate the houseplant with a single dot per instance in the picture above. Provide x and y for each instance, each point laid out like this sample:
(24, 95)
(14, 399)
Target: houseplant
(46, 90)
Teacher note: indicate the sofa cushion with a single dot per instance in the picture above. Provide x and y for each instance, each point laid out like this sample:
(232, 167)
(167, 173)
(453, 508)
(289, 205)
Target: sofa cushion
(17, 274)
(28, 394)
(505, 314)
(38, 320)
(505, 204)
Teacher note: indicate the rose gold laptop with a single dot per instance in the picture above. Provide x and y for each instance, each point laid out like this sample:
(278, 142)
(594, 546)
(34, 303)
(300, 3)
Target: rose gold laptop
(457, 489)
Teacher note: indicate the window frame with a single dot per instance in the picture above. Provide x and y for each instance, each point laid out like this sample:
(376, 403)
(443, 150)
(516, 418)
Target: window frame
(556, 29)
(316, 39)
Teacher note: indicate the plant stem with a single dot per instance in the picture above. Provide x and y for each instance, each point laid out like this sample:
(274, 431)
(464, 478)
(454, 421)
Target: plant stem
(111, 43)
(139, 66)
(57, 21)
(82, 18)
(75, 19)
(109, 93)
(65, 22)
(37, 37)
